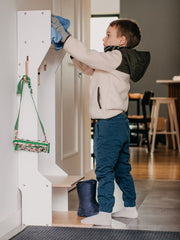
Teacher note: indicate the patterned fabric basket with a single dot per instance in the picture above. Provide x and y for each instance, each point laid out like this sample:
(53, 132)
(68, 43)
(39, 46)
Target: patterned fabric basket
(31, 146)
(23, 144)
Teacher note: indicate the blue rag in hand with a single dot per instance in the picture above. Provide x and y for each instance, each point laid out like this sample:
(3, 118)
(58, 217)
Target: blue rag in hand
(55, 36)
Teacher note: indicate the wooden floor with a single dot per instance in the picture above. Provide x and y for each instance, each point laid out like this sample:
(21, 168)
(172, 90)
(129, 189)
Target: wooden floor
(162, 164)
(68, 219)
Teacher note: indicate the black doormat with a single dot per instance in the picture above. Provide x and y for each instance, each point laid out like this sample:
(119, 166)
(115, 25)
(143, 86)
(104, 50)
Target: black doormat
(63, 233)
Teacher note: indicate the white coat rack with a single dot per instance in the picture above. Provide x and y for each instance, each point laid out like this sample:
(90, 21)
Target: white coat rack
(43, 185)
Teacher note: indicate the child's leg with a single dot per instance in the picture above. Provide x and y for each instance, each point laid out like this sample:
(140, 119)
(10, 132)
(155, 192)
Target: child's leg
(126, 184)
(124, 179)
(108, 141)
(108, 144)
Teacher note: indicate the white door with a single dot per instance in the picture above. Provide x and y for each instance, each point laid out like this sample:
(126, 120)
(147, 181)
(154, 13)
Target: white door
(72, 113)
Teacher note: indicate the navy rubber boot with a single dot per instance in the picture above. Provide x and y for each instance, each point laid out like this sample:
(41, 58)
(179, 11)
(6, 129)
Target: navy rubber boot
(88, 205)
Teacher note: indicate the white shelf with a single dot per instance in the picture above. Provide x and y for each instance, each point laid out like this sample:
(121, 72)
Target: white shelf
(64, 181)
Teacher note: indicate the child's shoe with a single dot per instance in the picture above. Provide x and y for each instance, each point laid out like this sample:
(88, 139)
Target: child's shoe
(126, 212)
(102, 219)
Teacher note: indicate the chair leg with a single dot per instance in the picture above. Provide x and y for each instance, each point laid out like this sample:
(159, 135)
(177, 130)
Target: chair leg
(167, 138)
(151, 123)
(176, 124)
(171, 119)
(147, 136)
(155, 121)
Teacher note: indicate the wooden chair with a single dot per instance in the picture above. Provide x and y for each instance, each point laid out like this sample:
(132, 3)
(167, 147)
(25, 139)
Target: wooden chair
(174, 129)
(144, 118)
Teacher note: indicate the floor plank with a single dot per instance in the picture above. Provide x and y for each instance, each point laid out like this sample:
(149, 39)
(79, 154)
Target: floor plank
(162, 164)
(68, 219)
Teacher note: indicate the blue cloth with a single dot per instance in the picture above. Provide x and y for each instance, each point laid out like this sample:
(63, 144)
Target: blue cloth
(111, 149)
(55, 36)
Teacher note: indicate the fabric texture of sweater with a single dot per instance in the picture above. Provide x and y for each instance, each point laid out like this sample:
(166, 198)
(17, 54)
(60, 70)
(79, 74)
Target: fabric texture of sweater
(111, 72)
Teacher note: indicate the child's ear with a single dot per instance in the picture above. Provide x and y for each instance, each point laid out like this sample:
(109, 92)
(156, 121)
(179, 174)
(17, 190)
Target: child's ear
(122, 41)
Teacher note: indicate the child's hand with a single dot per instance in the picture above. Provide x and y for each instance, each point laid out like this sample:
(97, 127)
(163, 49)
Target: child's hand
(59, 27)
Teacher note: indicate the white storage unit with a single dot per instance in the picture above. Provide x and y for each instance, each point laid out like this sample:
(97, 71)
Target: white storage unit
(43, 185)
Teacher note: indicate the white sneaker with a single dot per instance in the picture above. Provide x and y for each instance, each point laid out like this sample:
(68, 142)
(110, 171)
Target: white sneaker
(102, 219)
(126, 212)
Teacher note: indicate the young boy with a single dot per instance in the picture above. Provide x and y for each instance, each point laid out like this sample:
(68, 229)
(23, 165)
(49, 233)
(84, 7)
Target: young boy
(111, 72)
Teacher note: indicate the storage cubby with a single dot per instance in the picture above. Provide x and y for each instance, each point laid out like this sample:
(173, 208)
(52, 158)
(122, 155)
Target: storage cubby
(43, 184)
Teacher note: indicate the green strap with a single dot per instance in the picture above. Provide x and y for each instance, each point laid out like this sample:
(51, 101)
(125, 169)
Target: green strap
(30, 142)
(20, 91)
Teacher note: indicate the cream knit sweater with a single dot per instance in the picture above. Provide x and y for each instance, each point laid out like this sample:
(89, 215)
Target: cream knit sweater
(109, 87)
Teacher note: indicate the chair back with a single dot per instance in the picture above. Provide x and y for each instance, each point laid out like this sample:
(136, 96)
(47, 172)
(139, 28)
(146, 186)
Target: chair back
(142, 119)
(147, 102)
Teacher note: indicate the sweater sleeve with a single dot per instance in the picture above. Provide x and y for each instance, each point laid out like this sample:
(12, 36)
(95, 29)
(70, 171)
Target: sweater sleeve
(106, 61)
(83, 67)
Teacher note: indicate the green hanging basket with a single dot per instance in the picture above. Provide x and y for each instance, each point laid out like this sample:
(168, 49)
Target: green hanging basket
(25, 144)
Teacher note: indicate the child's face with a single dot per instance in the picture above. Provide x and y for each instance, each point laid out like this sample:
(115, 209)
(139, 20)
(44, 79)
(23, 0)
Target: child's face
(112, 39)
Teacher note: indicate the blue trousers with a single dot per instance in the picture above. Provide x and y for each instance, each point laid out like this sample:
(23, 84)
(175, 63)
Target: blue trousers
(111, 149)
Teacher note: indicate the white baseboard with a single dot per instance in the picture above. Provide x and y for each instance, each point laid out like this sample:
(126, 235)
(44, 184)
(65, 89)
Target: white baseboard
(10, 223)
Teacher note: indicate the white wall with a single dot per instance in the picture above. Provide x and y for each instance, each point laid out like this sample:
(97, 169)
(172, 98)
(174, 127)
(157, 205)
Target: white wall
(10, 199)
(159, 22)
(33, 5)
(105, 6)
